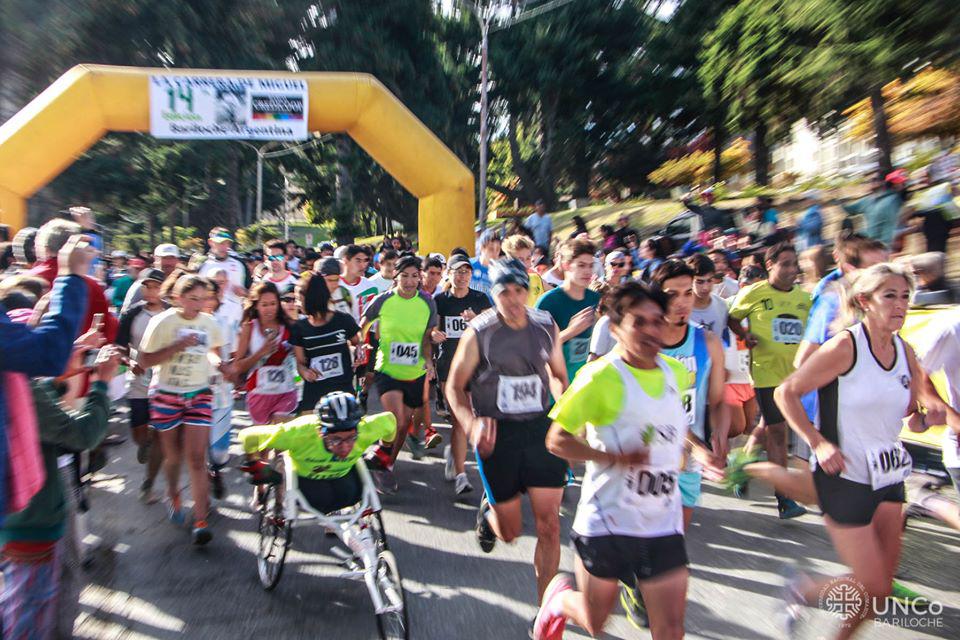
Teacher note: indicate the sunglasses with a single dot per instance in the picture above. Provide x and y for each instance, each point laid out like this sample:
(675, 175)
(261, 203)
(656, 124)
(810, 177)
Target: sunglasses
(288, 299)
(617, 265)
(275, 258)
(335, 441)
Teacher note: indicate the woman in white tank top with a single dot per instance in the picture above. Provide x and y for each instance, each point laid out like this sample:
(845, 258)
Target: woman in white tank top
(868, 381)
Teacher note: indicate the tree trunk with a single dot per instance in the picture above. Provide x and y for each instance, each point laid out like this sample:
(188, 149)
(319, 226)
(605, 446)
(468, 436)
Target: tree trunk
(719, 136)
(884, 144)
(343, 228)
(528, 183)
(548, 128)
(234, 207)
(761, 155)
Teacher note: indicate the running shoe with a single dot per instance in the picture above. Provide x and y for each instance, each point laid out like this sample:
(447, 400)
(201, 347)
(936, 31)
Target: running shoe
(550, 621)
(793, 602)
(201, 533)
(633, 606)
(431, 438)
(388, 482)
(417, 450)
(903, 594)
(462, 484)
(571, 478)
(176, 515)
(449, 470)
(485, 535)
(147, 495)
(217, 490)
(788, 509)
(143, 452)
(735, 479)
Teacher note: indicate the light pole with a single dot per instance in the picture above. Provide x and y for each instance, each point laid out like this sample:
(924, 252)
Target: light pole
(263, 153)
(489, 13)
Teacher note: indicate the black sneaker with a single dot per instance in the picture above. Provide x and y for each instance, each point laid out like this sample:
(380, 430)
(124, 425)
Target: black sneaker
(143, 452)
(485, 535)
(633, 606)
(216, 485)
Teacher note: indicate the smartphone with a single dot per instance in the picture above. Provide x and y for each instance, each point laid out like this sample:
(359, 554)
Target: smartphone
(90, 358)
(97, 321)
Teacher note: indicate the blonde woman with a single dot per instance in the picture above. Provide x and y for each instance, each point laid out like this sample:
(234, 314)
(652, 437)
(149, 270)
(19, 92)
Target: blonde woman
(868, 381)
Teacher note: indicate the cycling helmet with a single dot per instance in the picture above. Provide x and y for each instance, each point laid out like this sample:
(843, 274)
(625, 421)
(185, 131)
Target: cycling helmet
(339, 411)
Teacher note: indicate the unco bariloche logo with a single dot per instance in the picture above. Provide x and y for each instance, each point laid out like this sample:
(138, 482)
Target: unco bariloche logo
(846, 598)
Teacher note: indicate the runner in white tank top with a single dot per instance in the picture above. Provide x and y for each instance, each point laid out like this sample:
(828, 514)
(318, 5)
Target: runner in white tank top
(868, 379)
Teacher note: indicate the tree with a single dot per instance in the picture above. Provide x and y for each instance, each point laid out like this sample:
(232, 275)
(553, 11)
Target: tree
(745, 68)
(857, 48)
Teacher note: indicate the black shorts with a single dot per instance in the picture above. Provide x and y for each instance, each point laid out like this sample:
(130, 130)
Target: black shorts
(330, 495)
(412, 389)
(314, 391)
(520, 460)
(628, 558)
(768, 408)
(852, 503)
(139, 411)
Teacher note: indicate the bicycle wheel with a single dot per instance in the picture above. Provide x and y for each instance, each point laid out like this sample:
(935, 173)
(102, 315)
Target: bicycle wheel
(379, 532)
(275, 537)
(392, 624)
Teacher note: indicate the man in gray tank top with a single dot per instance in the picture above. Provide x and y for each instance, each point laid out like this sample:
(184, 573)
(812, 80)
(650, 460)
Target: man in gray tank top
(507, 364)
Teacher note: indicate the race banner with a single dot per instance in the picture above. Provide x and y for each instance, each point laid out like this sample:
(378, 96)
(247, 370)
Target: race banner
(228, 108)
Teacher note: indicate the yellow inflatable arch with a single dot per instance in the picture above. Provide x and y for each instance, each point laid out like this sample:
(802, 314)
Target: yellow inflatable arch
(88, 101)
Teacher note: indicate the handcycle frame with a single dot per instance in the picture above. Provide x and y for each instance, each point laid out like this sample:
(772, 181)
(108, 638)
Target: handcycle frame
(359, 528)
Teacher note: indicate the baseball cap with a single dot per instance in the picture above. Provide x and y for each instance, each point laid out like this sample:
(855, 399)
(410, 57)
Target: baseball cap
(898, 176)
(118, 253)
(138, 263)
(153, 274)
(325, 246)
(457, 260)
(438, 256)
(221, 235)
(328, 267)
(340, 252)
(166, 250)
(615, 255)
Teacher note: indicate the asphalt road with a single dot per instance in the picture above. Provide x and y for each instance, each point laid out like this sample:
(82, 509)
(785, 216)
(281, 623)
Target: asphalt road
(147, 581)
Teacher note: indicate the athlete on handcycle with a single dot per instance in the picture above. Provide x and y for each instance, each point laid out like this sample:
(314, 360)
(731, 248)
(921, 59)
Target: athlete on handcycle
(323, 450)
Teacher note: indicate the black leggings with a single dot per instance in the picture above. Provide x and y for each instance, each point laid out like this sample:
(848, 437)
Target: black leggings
(331, 495)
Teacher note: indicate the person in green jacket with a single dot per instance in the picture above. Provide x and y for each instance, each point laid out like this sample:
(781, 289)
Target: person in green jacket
(881, 207)
(32, 539)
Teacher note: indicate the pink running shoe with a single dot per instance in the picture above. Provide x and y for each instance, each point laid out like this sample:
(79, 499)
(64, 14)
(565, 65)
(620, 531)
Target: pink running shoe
(549, 625)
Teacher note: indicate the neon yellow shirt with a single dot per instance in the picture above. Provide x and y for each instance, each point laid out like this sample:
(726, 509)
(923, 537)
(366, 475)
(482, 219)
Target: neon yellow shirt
(536, 288)
(777, 319)
(301, 440)
(596, 395)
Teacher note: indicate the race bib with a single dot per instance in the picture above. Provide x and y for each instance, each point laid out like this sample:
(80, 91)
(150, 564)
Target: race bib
(520, 394)
(454, 326)
(888, 465)
(736, 360)
(328, 366)
(689, 400)
(273, 380)
(787, 330)
(405, 353)
(654, 490)
(202, 343)
(579, 350)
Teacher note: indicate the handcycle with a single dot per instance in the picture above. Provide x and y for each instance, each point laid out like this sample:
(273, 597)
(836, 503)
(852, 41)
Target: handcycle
(360, 528)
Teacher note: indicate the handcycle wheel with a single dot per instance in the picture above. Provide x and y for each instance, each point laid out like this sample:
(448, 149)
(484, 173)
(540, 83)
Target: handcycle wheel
(379, 532)
(392, 625)
(276, 534)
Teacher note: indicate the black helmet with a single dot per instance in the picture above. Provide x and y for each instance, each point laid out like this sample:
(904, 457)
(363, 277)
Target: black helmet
(339, 411)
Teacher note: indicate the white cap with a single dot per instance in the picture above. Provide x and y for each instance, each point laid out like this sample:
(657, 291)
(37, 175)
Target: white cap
(119, 253)
(340, 252)
(166, 250)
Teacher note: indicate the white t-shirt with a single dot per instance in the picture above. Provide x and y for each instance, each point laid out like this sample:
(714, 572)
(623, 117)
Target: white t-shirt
(362, 292)
(382, 284)
(712, 318)
(236, 272)
(941, 352)
(289, 280)
(728, 288)
(602, 341)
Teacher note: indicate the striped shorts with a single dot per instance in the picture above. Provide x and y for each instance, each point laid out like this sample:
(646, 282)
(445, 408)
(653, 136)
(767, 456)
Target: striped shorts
(28, 598)
(169, 410)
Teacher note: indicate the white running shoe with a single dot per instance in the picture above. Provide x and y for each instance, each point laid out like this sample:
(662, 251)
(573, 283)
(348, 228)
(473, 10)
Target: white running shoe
(449, 472)
(463, 484)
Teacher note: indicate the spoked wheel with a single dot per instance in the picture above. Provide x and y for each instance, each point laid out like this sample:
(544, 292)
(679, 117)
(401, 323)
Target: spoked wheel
(275, 537)
(392, 624)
